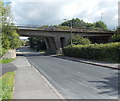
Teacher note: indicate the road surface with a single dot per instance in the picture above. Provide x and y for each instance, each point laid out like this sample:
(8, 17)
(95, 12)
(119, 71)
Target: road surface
(75, 80)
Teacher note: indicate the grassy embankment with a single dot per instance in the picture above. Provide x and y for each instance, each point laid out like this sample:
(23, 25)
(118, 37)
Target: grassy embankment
(2, 61)
(2, 52)
(6, 80)
(6, 86)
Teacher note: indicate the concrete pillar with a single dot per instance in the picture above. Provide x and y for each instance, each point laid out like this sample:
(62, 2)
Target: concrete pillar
(52, 45)
(58, 45)
(67, 40)
(47, 44)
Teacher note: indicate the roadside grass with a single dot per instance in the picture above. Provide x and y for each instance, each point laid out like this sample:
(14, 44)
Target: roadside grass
(2, 61)
(6, 86)
(42, 51)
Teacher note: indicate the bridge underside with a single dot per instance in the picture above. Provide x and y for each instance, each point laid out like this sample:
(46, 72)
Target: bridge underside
(54, 44)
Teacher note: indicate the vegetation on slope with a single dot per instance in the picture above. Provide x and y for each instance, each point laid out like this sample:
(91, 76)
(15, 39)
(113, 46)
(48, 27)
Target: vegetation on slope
(6, 86)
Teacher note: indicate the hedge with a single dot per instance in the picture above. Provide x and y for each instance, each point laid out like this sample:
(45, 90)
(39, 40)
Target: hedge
(108, 52)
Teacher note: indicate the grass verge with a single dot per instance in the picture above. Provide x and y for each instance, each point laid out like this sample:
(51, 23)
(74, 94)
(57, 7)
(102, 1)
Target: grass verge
(2, 61)
(6, 86)
(42, 51)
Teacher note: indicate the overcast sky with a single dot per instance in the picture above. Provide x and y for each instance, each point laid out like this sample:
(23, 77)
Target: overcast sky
(52, 12)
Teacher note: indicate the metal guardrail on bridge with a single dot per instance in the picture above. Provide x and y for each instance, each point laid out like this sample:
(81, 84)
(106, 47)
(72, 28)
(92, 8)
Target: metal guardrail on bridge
(39, 27)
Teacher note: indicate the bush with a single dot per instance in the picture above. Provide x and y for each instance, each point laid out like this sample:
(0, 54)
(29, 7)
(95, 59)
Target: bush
(106, 52)
(115, 38)
(80, 40)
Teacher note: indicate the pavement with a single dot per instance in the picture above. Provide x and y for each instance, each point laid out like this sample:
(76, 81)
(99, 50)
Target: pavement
(29, 84)
(9, 67)
(73, 79)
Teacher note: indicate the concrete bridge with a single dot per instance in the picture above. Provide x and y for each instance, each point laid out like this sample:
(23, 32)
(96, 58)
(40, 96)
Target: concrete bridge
(55, 40)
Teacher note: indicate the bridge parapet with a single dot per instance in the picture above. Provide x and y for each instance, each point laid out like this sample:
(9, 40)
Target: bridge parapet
(59, 30)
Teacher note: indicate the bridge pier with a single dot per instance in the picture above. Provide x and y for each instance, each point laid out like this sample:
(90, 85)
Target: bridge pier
(50, 44)
(58, 45)
(53, 45)
(47, 44)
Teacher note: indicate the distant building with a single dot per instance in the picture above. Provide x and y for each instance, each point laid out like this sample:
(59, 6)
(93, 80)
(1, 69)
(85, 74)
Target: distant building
(119, 13)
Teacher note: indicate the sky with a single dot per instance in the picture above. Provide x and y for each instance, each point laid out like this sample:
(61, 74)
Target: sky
(52, 12)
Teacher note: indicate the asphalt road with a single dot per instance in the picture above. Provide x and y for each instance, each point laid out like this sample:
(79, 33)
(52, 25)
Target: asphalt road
(75, 80)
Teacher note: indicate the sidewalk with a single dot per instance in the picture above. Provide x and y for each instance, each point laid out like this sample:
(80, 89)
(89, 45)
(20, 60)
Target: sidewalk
(29, 84)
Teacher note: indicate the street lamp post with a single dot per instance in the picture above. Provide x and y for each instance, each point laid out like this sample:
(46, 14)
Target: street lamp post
(70, 31)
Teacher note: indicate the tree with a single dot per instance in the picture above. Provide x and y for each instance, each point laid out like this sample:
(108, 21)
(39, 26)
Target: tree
(117, 30)
(101, 24)
(90, 25)
(115, 37)
(37, 43)
(80, 40)
(9, 37)
(80, 24)
(76, 23)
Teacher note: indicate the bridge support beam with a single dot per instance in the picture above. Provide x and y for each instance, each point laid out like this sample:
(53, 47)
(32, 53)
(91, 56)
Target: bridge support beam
(53, 45)
(47, 44)
(50, 44)
(58, 45)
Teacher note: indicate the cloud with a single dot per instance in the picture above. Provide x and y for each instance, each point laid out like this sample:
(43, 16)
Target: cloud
(42, 12)
(118, 14)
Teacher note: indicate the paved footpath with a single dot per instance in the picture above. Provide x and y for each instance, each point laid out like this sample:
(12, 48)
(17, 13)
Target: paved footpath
(29, 84)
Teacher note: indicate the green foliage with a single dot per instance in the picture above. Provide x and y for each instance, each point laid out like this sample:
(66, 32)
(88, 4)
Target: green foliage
(15, 41)
(37, 43)
(7, 84)
(90, 25)
(6, 60)
(101, 24)
(80, 40)
(80, 24)
(76, 23)
(117, 30)
(2, 51)
(62, 27)
(10, 39)
(105, 52)
(115, 38)
(5, 41)
(45, 26)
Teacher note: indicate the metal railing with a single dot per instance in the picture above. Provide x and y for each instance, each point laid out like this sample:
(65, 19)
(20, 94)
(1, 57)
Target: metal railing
(39, 27)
